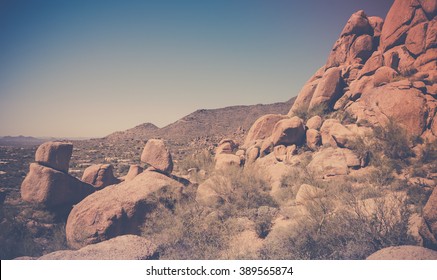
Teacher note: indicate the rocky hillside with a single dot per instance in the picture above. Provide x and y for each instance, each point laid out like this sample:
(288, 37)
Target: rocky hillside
(348, 173)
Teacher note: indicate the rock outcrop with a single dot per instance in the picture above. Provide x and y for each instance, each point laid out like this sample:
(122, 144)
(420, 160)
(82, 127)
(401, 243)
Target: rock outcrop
(134, 171)
(99, 175)
(157, 155)
(120, 209)
(125, 247)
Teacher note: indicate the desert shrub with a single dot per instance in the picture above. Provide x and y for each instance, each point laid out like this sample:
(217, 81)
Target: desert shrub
(319, 110)
(352, 232)
(429, 152)
(203, 160)
(393, 141)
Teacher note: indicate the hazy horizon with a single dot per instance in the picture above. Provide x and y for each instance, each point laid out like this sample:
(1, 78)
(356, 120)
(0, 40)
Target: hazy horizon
(81, 69)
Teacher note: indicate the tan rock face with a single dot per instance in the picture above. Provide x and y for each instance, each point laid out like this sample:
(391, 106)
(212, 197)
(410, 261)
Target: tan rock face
(226, 146)
(402, 15)
(262, 128)
(404, 253)
(99, 175)
(120, 209)
(384, 75)
(288, 132)
(314, 123)
(252, 154)
(314, 139)
(157, 155)
(55, 155)
(416, 39)
(428, 230)
(134, 171)
(403, 104)
(303, 100)
(225, 161)
(125, 247)
(329, 162)
(329, 89)
(53, 188)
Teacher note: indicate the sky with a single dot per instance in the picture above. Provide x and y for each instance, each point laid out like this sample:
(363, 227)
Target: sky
(89, 68)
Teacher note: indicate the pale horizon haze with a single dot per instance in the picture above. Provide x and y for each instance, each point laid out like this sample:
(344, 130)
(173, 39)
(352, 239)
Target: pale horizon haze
(89, 68)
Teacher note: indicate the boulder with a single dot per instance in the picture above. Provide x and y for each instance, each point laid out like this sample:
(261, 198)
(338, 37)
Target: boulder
(405, 105)
(314, 139)
(431, 35)
(329, 89)
(99, 175)
(280, 152)
(402, 15)
(427, 61)
(121, 209)
(262, 128)
(384, 75)
(328, 162)
(213, 192)
(288, 132)
(399, 58)
(225, 161)
(125, 247)
(358, 24)
(404, 253)
(157, 155)
(303, 100)
(53, 188)
(428, 230)
(416, 39)
(361, 49)
(372, 64)
(314, 123)
(342, 136)
(377, 23)
(134, 170)
(55, 155)
(430, 7)
(325, 132)
(252, 154)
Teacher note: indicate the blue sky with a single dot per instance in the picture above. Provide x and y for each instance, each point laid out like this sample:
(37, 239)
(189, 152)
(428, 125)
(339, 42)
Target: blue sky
(88, 68)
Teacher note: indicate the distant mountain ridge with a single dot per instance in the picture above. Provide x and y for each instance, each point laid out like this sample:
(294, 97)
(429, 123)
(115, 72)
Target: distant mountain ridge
(221, 122)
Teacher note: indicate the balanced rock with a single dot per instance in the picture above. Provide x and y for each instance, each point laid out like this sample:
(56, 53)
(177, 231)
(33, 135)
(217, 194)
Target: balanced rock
(120, 209)
(55, 155)
(53, 188)
(404, 253)
(125, 247)
(100, 175)
(288, 132)
(157, 155)
(134, 170)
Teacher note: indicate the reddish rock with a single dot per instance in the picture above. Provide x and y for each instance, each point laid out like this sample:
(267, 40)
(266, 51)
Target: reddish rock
(314, 139)
(361, 49)
(339, 53)
(384, 75)
(325, 132)
(134, 171)
(55, 155)
(377, 23)
(329, 90)
(53, 188)
(156, 154)
(416, 39)
(400, 59)
(262, 128)
(358, 24)
(430, 7)
(120, 209)
(431, 35)
(314, 123)
(303, 100)
(402, 15)
(427, 61)
(372, 64)
(289, 132)
(99, 175)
